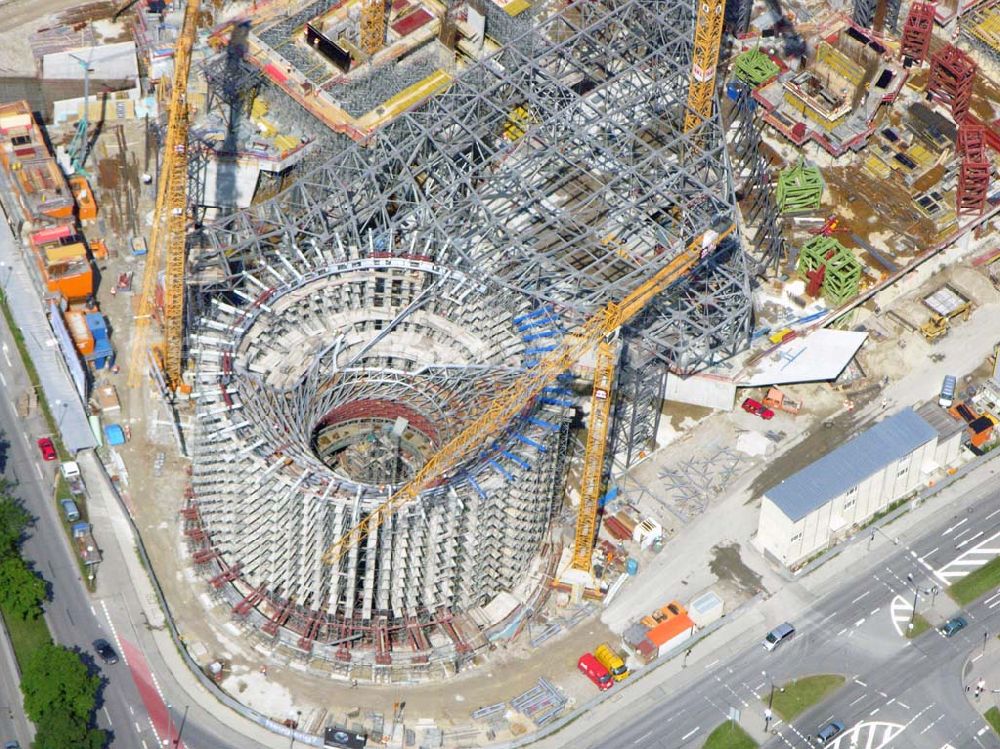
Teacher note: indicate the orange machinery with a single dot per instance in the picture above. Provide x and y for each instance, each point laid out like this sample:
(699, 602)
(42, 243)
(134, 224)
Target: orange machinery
(62, 260)
(86, 206)
(37, 181)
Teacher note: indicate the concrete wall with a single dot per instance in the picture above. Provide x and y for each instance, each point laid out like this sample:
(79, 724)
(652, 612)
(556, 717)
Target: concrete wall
(792, 542)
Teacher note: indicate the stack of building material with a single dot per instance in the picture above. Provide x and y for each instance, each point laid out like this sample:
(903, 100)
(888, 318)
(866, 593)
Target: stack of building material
(541, 703)
(800, 188)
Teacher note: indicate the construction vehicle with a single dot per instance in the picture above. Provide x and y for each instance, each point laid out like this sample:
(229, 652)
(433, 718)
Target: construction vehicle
(937, 325)
(598, 334)
(169, 230)
(611, 661)
(779, 401)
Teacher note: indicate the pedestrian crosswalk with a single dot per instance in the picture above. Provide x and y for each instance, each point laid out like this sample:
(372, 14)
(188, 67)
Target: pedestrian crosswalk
(869, 735)
(901, 610)
(969, 560)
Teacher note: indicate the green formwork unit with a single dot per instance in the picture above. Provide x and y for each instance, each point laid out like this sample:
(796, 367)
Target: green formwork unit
(800, 188)
(842, 278)
(754, 67)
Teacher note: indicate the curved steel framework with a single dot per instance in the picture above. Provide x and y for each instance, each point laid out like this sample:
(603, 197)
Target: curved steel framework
(603, 190)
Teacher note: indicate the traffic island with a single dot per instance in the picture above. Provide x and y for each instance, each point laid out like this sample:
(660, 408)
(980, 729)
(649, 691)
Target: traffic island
(797, 696)
(729, 736)
(920, 625)
(976, 583)
(992, 717)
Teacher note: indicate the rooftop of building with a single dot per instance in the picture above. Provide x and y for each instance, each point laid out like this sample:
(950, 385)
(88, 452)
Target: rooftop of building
(942, 422)
(850, 464)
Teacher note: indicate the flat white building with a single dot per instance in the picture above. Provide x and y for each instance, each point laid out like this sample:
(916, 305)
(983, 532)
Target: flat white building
(846, 487)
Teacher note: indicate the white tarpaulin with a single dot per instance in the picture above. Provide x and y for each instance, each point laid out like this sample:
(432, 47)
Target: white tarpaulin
(107, 62)
(819, 356)
(711, 391)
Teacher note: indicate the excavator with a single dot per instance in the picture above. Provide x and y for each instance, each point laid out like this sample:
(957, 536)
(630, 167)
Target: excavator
(937, 325)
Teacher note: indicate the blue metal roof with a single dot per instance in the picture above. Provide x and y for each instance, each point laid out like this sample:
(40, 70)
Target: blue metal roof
(850, 464)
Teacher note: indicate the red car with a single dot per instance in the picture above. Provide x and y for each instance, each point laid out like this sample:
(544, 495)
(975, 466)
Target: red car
(594, 671)
(754, 407)
(47, 449)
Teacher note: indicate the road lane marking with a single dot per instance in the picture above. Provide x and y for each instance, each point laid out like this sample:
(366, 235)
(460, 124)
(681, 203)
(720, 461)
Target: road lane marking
(905, 707)
(969, 540)
(963, 521)
(859, 622)
(858, 700)
(861, 596)
(995, 512)
(841, 631)
(643, 737)
(38, 470)
(860, 683)
(689, 734)
(875, 611)
(711, 664)
(108, 716)
(873, 712)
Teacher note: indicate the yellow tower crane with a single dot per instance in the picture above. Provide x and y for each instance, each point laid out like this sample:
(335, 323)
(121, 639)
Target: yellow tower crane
(594, 334)
(169, 224)
(704, 60)
(597, 334)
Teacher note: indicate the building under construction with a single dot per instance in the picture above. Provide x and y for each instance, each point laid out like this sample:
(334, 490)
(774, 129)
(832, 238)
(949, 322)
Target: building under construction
(344, 329)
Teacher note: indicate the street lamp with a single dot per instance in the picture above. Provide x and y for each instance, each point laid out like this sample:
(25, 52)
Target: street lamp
(770, 701)
(180, 730)
(298, 717)
(913, 611)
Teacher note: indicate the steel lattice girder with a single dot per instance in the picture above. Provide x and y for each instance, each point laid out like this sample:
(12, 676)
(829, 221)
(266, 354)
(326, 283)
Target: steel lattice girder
(602, 191)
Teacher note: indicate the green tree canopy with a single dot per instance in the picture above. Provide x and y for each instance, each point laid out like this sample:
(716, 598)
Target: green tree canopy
(56, 680)
(58, 730)
(13, 520)
(21, 590)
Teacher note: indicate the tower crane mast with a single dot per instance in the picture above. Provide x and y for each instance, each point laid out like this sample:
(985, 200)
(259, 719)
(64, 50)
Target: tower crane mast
(518, 397)
(169, 223)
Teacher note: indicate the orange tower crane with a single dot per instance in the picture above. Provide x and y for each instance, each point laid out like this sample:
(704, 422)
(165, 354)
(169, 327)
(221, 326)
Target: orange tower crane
(169, 230)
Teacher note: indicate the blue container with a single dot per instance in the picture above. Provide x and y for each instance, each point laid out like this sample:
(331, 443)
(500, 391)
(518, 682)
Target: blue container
(632, 566)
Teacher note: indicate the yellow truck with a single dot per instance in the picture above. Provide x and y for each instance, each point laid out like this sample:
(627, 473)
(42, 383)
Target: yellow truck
(611, 661)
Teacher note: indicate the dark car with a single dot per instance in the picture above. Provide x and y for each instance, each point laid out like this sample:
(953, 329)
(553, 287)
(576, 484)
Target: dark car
(830, 731)
(47, 449)
(107, 653)
(11, 745)
(952, 626)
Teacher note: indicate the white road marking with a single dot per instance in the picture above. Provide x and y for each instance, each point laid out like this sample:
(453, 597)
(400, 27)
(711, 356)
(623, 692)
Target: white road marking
(3, 380)
(969, 540)
(995, 512)
(38, 470)
(861, 596)
(905, 707)
(114, 632)
(875, 611)
(963, 521)
(711, 664)
(860, 683)
(858, 700)
(900, 611)
(873, 712)
(859, 622)
(970, 559)
(643, 737)
(108, 716)
(689, 734)
(841, 631)
(870, 735)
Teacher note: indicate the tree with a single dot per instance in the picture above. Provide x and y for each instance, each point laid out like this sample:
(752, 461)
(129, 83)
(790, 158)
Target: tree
(13, 520)
(56, 680)
(21, 590)
(59, 730)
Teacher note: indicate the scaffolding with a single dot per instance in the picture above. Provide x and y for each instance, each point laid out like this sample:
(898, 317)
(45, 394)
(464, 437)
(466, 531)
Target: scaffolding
(830, 269)
(754, 67)
(952, 75)
(361, 316)
(917, 31)
(974, 172)
(765, 242)
(800, 188)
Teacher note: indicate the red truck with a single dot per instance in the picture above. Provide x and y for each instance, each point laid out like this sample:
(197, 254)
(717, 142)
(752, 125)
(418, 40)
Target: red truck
(594, 671)
(755, 407)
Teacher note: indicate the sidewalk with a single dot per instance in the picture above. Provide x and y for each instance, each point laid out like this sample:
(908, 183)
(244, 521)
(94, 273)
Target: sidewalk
(12, 718)
(158, 644)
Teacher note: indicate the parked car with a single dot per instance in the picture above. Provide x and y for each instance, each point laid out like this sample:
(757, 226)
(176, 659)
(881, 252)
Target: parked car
(70, 510)
(11, 745)
(829, 732)
(594, 671)
(952, 626)
(107, 653)
(47, 449)
(756, 407)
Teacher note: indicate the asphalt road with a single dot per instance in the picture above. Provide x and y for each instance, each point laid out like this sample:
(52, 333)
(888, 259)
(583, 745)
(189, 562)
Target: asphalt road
(898, 693)
(76, 618)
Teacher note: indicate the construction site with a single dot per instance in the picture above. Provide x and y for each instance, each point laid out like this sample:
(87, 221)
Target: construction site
(381, 315)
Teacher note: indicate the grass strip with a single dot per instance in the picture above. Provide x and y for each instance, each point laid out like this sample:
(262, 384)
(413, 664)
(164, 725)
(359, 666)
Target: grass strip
(729, 736)
(976, 583)
(797, 696)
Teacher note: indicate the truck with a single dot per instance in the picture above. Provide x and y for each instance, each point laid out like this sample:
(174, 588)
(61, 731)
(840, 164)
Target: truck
(86, 546)
(947, 397)
(71, 472)
(611, 661)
